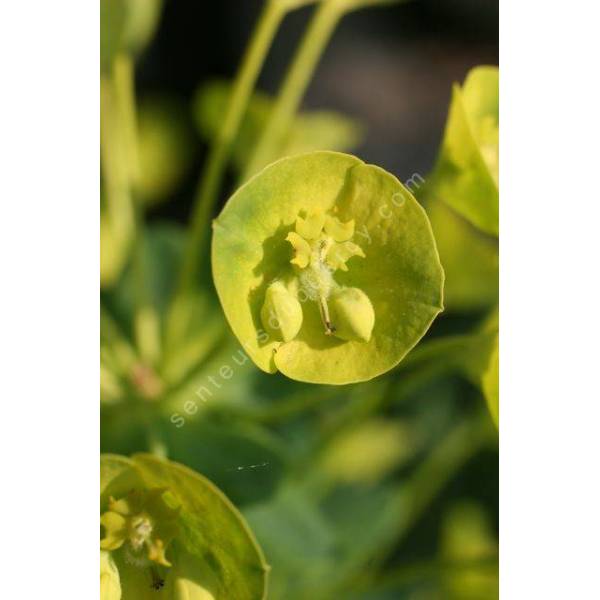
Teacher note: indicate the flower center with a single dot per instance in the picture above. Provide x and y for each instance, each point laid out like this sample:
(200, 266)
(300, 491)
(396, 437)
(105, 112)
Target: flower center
(321, 244)
(143, 523)
(141, 531)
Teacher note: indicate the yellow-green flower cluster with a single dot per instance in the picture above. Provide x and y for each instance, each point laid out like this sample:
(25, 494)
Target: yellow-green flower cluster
(321, 244)
(143, 524)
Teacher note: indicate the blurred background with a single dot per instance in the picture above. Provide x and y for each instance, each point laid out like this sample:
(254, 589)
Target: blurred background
(386, 489)
(391, 68)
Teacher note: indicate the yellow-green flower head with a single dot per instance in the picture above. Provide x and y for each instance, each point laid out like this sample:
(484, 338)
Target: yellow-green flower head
(321, 244)
(466, 171)
(141, 522)
(167, 532)
(326, 268)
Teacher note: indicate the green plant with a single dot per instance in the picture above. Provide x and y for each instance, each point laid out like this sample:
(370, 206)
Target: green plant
(466, 175)
(325, 460)
(157, 536)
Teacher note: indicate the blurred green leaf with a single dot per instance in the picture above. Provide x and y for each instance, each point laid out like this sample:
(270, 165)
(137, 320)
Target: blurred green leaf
(298, 543)
(162, 251)
(316, 130)
(198, 327)
(467, 353)
(117, 358)
(469, 258)
(466, 173)
(200, 317)
(244, 460)
(466, 535)
(369, 451)
(348, 509)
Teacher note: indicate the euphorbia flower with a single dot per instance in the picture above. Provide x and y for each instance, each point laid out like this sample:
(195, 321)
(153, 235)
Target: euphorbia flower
(143, 522)
(167, 532)
(326, 268)
(321, 245)
(466, 172)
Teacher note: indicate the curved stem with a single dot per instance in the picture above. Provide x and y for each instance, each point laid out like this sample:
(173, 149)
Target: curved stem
(294, 86)
(214, 168)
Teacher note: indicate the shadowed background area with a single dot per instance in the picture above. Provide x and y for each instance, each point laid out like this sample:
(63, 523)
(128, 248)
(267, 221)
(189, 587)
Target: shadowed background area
(391, 68)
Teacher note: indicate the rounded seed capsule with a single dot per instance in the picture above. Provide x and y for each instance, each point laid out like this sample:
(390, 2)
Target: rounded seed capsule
(352, 314)
(281, 313)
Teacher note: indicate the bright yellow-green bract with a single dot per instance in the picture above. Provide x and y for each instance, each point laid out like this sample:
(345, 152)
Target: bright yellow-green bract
(466, 172)
(167, 532)
(341, 254)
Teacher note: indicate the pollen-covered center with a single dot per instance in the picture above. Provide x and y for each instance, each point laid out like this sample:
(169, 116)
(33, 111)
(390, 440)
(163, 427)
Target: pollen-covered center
(141, 530)
(321, 244)
(143, 523)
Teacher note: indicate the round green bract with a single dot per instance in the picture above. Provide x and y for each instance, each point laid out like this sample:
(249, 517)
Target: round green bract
(214, 556)
(401, 272)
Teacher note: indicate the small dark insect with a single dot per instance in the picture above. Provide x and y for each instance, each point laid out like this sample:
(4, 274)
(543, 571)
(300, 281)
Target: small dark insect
(157, 581)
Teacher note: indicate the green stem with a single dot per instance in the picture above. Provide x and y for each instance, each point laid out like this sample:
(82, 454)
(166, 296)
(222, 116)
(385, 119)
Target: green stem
(123, 77)
(294, 86)
(214, 169)
(119, 210)
(146, 324)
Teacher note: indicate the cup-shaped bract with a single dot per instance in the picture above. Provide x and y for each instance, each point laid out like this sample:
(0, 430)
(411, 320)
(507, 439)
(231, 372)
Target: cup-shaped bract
(167, 529)
(466, 173)
(110, 584)
(351, 243)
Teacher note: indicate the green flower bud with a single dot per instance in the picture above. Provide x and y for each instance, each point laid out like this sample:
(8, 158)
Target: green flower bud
(281, 313)
(110, 583)
(352, 314)
(466, 171)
